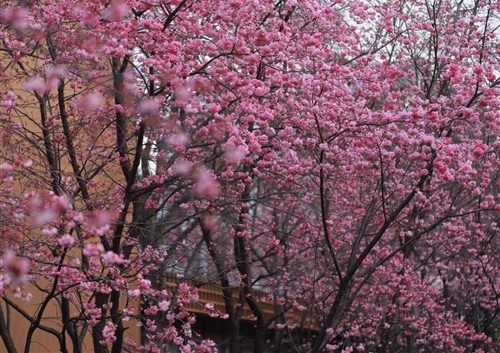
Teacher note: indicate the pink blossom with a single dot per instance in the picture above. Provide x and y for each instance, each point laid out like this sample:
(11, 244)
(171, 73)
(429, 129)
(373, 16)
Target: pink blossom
(206, 185)
(116, 11)
(99, 219)
(108, 333)
(14, 267)
(89, 102)
(66, 240)
(149, 106)
(134, 292)
(16, 17)
(26, 164)
(6, 167)
(36, 83)
(112, 258)
(177, 140)
(316, 156)
(164, 305)
(182, 167)
(93, 249)
(235, 155)
(42, 217)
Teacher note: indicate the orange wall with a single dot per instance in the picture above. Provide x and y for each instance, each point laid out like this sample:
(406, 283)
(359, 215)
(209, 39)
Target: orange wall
(28, 115)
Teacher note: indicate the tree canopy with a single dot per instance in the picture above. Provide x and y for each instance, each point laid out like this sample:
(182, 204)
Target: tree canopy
(336, 159)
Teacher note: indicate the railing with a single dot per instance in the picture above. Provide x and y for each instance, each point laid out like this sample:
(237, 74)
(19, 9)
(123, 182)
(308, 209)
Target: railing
(211, 293)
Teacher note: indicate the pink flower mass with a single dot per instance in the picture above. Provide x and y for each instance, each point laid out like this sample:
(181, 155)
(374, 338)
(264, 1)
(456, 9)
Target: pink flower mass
(236, 175)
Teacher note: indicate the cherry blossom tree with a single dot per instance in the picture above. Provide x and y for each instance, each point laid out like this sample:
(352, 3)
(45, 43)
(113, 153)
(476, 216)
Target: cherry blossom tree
(335, 159)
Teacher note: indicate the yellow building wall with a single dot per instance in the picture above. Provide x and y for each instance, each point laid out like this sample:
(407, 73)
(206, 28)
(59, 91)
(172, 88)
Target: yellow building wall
(29, 144)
